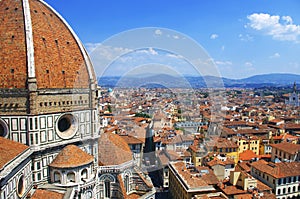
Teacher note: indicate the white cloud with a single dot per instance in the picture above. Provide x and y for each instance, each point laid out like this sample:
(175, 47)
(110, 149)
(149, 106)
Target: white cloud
(175, 56)
(287, 19)
(105, 52)
(223, 62)
(276, 55)
(248, 64)
(245, 37)
(175, 36)
(152, 51)
(223, 48)
(280, 28)
(214, 36)
(158, 32)
(147, 51)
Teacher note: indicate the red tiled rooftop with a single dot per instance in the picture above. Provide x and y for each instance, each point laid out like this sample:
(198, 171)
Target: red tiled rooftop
(287, 147)
(244, 166)
(71, 156)
(131, 140)
(45, 194)
(278, 170)
(9, 150)
(247, 155)
(113, 150)
(232, 190)
(217, 161)
(225, 143)
(244, 196)
(195, 181)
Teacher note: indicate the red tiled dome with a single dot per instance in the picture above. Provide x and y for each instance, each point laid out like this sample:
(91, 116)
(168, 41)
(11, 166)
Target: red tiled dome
(31, 27)
(70, 157)
(113, 150)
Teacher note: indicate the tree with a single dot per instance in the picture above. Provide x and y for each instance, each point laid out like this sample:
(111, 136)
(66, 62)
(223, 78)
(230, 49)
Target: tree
(109, 108)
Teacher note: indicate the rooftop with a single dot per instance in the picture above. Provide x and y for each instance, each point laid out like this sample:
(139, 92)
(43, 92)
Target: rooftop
(113, 150)
(46, 194)
(278, 170)
(199, 178)
(287, 147)
(9, 150)
(247, 155)
(71, 156)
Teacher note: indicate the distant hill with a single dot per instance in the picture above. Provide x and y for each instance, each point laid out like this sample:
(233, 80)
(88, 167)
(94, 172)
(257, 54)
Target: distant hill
(168, 81)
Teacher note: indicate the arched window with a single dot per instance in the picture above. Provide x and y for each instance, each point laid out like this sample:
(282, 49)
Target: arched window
(71, 177)
(84, 174)
(278, 191)
(126, 183)
(107, 190)
(89, 195)
(57, 177)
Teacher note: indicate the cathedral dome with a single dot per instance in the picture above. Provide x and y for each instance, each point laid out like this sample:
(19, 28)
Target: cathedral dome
(44, 68)
(38, 45)
(70, 157)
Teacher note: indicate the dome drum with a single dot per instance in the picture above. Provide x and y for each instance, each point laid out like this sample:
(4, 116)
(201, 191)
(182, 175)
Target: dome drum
(41, 57)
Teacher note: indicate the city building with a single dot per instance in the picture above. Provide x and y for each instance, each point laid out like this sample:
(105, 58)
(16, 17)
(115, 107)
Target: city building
(187, 182)
(226, 147)
(285, 151)
(282, 177)
(248, 143)
(293, 97)
(221, 166)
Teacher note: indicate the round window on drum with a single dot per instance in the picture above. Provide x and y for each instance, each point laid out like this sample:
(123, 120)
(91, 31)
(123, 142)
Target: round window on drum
(66, 126)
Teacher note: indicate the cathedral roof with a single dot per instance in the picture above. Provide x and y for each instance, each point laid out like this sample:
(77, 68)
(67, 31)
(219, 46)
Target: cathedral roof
(9, 150)
(113, 150)
(71, 156)
(36, 43)
(46, 194)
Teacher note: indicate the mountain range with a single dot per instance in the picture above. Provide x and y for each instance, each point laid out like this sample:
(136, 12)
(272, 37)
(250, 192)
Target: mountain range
(168, 81)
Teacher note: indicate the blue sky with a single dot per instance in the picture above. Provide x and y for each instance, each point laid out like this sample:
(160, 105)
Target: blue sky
(242, 37)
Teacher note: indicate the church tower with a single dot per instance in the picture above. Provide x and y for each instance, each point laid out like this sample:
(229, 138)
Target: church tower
(294, 97)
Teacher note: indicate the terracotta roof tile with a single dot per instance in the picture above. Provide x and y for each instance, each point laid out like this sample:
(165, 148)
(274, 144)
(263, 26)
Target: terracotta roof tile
(131, 140)
(263, 187)
(113, 150)
(232, 190)
(244, 196)
(225, 143)
(191, 179)
(9, 150)
(71, 156)
(287, 147)
(278, 170)
(244, 166)
(247, 155)
(45, 194)
(217, 161)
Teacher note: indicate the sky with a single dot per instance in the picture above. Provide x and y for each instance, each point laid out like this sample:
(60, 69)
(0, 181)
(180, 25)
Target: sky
(239, 38)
